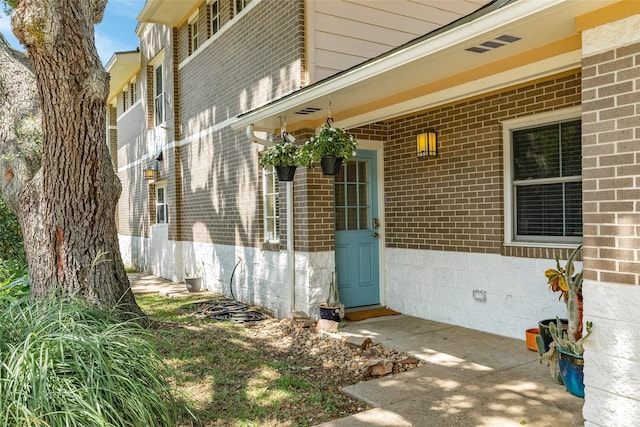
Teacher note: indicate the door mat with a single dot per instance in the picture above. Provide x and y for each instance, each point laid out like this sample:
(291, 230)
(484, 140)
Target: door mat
(368, 314)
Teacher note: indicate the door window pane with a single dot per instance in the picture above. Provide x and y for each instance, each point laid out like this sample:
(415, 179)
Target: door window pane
(351, 197)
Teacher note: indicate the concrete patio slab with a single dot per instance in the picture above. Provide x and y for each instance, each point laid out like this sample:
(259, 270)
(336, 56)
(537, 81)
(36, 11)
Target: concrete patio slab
(470, 378)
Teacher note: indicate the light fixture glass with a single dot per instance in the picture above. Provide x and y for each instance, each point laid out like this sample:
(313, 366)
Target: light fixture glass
(427, 144)
(149, 174)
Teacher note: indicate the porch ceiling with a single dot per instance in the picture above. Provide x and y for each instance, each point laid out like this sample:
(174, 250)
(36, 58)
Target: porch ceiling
(440, 69)
(169, 13)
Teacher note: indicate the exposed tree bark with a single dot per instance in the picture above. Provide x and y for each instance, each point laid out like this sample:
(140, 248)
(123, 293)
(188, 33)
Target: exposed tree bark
(66, 199)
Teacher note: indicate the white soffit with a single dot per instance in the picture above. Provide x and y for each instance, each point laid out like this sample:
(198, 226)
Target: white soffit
(166, 12)
(122, 67)
(536, 23)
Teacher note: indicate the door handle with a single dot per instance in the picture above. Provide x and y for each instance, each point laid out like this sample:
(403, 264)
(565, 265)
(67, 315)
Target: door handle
(375, 234)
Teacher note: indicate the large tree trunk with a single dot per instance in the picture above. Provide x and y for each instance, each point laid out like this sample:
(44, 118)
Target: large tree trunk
(67, 206)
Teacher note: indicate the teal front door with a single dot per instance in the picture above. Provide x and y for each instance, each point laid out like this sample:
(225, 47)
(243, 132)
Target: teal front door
(356, 231)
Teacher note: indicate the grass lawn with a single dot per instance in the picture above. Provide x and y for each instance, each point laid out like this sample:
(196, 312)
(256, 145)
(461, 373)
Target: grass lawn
(265, 374)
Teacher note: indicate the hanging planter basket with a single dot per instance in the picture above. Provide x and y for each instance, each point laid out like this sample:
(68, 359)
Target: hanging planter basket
(331, 165)
(285, 173)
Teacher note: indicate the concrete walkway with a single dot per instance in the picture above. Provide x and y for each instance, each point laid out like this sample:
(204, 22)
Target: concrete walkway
(145, 283)
(471, 379)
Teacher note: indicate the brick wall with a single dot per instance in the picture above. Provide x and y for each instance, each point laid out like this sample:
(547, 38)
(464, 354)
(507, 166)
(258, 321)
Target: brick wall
(133, 217)
(222, 190)
(137, 198)
(611, 165)
(455, 201)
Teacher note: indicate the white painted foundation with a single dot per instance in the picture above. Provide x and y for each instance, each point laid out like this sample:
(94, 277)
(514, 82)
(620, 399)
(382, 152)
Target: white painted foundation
(439, 286)
(612, 355)
(260, 276)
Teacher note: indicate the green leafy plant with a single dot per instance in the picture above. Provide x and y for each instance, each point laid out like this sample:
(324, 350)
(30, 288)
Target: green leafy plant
(569, 283)
(332, 141)
(67, 364)
(285, 154)
(11, 242)
(306, 155)
(567, 342)
(197, 272)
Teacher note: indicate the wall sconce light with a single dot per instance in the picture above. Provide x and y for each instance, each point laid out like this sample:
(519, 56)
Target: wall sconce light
(427, 144)
(152, 173)
(149, 173)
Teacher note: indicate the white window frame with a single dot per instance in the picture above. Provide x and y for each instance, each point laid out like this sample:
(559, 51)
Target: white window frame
(243, 5)
(161, 204)
(158, 96)
(133, 89)
(215, 17)
(508, 126)
(194, 30)
(126, 100)
(273, 216)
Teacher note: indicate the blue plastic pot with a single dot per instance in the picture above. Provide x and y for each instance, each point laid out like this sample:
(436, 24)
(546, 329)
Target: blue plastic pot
(571, 368)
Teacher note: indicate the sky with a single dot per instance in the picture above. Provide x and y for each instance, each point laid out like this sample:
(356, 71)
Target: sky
(116, 32)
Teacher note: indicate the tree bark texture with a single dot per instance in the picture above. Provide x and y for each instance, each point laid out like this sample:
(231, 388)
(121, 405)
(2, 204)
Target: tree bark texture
(65, 202)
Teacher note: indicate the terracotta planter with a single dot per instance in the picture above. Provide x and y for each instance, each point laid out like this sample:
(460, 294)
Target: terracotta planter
(531, 338)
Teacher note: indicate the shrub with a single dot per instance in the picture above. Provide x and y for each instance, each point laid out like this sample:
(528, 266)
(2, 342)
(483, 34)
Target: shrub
(11, 243)
(67, 364)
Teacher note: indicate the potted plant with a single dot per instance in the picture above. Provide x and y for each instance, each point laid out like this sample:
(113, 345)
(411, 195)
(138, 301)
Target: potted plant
(284, 158)
(570, 356)
(193, 279)
(331, 147)
(332, 309)
(566, 350)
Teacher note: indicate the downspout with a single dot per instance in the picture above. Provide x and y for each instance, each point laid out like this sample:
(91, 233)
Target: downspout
(289, 204)
(253, 137)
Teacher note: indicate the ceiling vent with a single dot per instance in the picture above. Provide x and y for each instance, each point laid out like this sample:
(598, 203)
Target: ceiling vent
(307, 110)
(493, 44)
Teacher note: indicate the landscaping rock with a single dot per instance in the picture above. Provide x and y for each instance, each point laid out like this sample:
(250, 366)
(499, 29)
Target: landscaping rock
(358, 342)
(377, 368)
(327, 325)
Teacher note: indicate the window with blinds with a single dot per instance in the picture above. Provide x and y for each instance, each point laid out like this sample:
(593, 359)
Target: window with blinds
(547, 182)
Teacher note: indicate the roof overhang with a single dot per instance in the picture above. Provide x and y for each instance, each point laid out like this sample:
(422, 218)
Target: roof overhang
(437, 69)
(169, 13)
(122, 67)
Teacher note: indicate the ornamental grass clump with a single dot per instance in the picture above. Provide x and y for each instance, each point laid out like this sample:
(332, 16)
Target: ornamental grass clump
(64, 363)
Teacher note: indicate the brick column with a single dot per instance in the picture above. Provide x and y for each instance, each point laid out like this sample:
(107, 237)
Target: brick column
(611, 185)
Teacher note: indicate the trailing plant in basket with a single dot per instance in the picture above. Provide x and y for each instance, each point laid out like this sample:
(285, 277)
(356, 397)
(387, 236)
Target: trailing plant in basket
(285, 154)
(333, 141)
